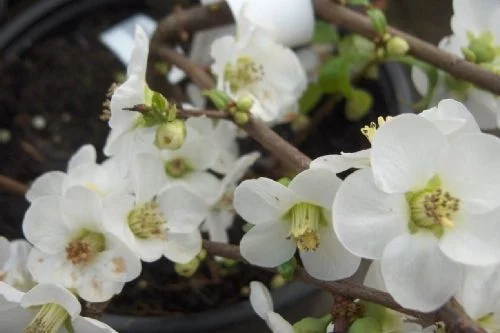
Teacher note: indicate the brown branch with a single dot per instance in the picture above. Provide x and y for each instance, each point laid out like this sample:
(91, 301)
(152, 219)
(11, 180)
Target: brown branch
(13, 186)
(278, 146)
(451, 313)
(456, 66)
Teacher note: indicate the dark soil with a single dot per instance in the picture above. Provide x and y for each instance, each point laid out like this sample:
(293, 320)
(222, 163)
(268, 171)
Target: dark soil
(63, 78)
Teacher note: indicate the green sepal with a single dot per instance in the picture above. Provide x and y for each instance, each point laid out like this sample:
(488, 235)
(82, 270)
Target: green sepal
(377, 17)
(310, 97)
(359, 103)
(312, 325)
(365, 325)
(287, 269)
(158, 103)
(220, 99)
(359, 2)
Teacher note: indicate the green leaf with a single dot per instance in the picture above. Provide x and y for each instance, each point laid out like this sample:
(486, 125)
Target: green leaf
(219, 98)
(359, 103)
(324, 33)
(287, 269)
(312, 325)
(356, 46)
(365, 325)
(432, 78)
(377, 17)
(310, 97)
(334, 76)
(359, 2)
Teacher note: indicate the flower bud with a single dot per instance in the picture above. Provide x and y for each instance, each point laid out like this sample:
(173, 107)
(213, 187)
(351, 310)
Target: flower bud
(244, 104)
(170, 135)
(241, 118)
(480, 49)
(397, 46)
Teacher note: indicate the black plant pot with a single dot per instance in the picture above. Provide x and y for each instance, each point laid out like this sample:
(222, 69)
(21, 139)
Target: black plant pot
(294, 300)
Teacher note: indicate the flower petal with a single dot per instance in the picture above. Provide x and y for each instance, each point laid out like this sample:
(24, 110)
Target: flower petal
(278, 324)
(342, 162)
(182, 247)
(85, 155)
(44, 226)
(149, 250)
(148, 176)
(260, 298)
(366, 219)
(89, 325)
(268, 244)
(331, 260)
(50, 183)
(130, 93)
(12, 316)
(202, 183)
(139, 58)
(473, 240)
(115, 213)
(4, 251)
(45, 293)
(316, 186)
(216, 225)
(117, 263)
(417, 274)
(405, 153)
(82, 208)
(200, 153)
(51, 268)
(469, 171)
(262, 200)
(182, 209)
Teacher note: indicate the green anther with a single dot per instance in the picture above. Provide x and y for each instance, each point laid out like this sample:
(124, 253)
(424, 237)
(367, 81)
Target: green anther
(306, 219)
(49, 319)
(85, 247)
(242, 74)
(432, 208)
(146, 221)
(177, 168)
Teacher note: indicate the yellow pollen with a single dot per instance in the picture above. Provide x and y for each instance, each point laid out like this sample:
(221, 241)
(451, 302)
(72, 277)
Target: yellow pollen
(85, 247)
(369, 130)
(243, 74)
(147, 221)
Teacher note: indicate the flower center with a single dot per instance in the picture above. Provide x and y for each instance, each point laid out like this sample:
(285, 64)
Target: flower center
(85, 247)
(369, 130)
(432, 208)
(49, 319)
(147, 221)
(306, 220)
(244, 73)
(177, 168)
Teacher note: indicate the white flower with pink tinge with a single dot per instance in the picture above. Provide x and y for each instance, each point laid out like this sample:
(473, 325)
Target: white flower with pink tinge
(73, 248)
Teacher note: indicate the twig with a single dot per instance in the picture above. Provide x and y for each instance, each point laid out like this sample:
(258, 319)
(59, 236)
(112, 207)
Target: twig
(94, 310)
(281, 148)
(458, 67)
(451, 313)
(13, 186)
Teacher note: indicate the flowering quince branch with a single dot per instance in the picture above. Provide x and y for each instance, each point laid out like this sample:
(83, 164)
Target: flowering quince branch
(12, 186)
(460, 68)
(451, 313)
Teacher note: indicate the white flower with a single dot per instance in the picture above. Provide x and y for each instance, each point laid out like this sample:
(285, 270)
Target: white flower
(72, 247)
(188, 166)
(255, 66)
(223, 133)
(294, 216)
(424, 208)
(129, 133)
(84, 171)
(45, 308)
(221, 214)
(470, 23)
(479, 295)
(262, 304)
(13, 261)
(288, 23)
(450, 117)
(156, 223)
